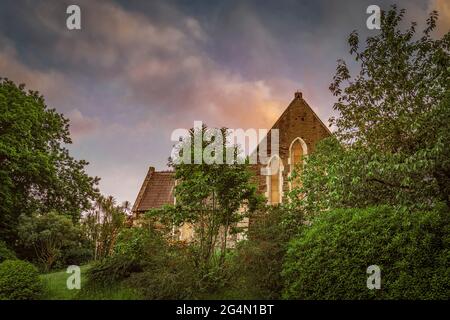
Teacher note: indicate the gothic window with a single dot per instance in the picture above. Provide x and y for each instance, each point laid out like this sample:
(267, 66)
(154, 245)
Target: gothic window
(296, 152)
(275, 183)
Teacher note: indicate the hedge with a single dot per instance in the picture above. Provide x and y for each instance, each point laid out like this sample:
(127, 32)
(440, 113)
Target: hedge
(19, 280)
(329, 260)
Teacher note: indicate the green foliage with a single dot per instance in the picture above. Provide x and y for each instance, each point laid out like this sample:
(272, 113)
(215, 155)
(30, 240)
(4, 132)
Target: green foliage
(101, 225)
(19, 280)
(48, 234)
(55, 285)
(328, 260)
(55, 288)
(75, 255)
(111, 270)
(257, 262)
(36, 171)
(140, 242)
(6, 253)
(324, 180)
(211, 191)
(136, 248)
(402, 78)
(146, 263)
(393, 129)
(391, 148)
(175, 278)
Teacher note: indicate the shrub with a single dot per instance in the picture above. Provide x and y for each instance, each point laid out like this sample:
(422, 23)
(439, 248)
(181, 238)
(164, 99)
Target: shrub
(110, 271)
(19, 280)
(136, 248)
(6, 253)
(329, 260)
(257, 262)
(173, 278)
(140, 242)
(75, 255)
(168, 270)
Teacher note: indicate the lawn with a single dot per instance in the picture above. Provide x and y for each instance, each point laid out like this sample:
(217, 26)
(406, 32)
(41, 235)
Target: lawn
(55, 288)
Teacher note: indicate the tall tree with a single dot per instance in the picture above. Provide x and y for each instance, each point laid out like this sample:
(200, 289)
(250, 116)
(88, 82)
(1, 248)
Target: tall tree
(48, 234)
(393, 128)
(102, 224)
(209, 194)
(37, 173)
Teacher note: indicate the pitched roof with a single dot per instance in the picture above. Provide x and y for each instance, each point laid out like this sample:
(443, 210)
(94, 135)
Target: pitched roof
(298, 100)
(298, 96)
(156, 190)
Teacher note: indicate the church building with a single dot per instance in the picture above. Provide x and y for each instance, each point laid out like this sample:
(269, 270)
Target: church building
(299, 130)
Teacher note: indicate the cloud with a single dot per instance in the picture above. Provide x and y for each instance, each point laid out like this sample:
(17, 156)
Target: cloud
(81, 125)
(131, 76)
(52, 83)
(136, 78)
(158, 69)
(443, 8)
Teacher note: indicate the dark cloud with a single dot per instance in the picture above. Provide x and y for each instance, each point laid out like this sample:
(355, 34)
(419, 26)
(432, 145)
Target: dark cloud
(139, 69)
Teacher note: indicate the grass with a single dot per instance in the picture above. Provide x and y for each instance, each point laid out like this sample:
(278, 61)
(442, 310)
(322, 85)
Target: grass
(55, 288)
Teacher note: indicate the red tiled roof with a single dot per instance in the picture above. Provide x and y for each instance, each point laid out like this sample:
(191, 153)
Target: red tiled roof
(156, 190)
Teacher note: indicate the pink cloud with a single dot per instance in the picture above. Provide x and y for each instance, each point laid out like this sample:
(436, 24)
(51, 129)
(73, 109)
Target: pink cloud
(81, 125)
(443, 7)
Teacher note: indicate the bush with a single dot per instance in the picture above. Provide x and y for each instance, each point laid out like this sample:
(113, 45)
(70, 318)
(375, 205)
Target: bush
(173, 278)
(140, 242)
(329, 260)
(167, 269)
(145, 263)
(19, 280)
(257, 262)
(75, 255)
(48, 234)
(6, 253)
(110, 271)
(136, 248)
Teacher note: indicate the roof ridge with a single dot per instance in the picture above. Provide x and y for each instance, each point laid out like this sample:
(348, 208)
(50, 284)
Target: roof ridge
(137, 202)
(298, 96)
(318, 118)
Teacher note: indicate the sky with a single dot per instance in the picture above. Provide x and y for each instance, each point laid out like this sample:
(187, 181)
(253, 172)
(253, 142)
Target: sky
(137, 70)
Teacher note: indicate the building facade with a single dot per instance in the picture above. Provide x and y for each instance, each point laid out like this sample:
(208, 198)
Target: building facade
(299, 131)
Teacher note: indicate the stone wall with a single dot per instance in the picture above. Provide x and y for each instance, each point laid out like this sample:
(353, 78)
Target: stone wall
(297, 121)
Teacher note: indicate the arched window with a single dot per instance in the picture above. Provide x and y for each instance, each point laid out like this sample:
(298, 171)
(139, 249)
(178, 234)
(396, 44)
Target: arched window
(275, 180)
(297, 151)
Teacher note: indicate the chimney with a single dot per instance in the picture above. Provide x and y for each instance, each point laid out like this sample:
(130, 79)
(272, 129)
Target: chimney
(298, 95)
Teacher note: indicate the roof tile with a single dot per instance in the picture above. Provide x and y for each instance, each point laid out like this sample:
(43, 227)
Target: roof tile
(157, 192)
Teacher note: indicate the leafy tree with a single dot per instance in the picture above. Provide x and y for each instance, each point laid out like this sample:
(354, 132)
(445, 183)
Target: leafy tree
(257, 261)
(37, 172)
(102, 224)
(393, 130)
(6, 253)
(210, 194)
(48, 234)
(146, 263)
